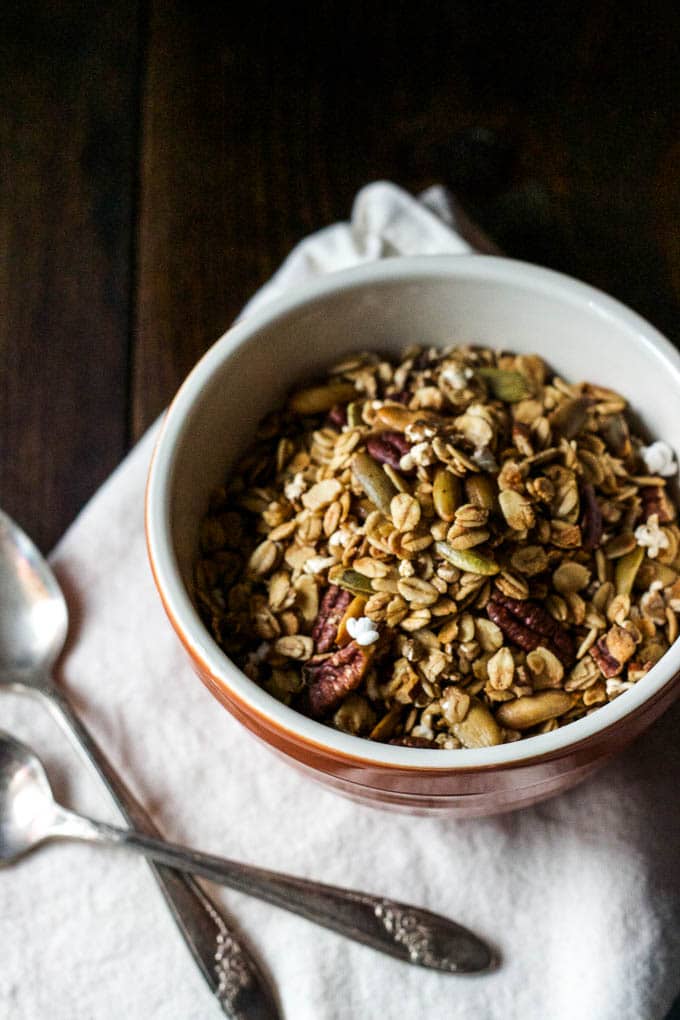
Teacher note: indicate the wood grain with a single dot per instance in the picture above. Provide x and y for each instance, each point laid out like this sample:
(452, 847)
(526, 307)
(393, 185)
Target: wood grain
(159, 159)
(160, 163)
(259, 128)
(68, 80)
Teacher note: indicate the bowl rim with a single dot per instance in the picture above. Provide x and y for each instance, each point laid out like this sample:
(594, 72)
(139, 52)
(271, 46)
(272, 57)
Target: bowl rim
(184, 617)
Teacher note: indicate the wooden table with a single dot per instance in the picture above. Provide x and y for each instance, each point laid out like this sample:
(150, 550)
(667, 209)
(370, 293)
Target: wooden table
(158, 164)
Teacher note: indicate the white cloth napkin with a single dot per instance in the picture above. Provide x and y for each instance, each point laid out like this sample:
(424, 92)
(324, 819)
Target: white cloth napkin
(581, 894)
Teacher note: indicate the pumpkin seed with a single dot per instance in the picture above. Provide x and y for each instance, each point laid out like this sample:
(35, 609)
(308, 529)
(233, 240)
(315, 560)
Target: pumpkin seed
(373, 480)
(506, 385)
(466, 559)
(570, 417)
(354, 413)
(446, 493)
(626, 569)
(350, 579)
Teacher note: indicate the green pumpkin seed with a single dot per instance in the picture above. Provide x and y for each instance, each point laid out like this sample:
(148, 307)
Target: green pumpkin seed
(626, 569)
(354, 413)
(467, 559)
(505, 384)
(374, 481)
(446, 494)
(352, 580)
(570, 417)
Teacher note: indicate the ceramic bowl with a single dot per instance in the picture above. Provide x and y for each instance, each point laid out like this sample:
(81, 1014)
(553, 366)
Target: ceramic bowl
(386, 305)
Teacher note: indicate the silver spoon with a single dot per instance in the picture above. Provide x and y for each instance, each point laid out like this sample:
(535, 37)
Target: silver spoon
(33, 626)
(29, 816)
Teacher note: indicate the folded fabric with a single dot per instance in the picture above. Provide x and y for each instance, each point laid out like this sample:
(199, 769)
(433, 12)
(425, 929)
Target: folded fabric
(581, 894)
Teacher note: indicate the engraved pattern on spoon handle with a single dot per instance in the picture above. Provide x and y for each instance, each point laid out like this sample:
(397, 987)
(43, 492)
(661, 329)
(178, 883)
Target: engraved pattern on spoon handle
(230, 970)
(407, 932)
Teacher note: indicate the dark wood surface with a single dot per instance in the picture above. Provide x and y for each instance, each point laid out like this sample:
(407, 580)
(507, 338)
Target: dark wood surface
(159, 160)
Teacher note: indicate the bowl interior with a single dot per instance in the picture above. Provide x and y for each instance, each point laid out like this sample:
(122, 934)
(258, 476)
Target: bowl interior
(432, 301)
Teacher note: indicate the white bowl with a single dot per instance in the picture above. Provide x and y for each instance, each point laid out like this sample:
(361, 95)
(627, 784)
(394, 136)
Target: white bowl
(430, 300)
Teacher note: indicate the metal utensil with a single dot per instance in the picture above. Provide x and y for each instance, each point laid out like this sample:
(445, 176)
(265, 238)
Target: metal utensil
(33, 626)
(29, 816)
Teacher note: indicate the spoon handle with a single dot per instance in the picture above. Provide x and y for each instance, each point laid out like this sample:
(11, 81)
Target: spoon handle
(398, 929)
(229, 967)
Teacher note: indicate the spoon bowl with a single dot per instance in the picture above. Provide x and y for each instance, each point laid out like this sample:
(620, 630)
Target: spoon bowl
(34, 617)
(27, 808)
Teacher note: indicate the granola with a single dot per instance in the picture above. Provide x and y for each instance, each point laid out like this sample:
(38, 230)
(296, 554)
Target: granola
(457, 550)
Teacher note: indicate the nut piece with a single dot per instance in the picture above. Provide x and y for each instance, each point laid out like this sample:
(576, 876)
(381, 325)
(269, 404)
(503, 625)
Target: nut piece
(478, 728)
(399, 418)
(388, 448)
(613, 650)
(295, 646)
(523, 713)
(546, 669)
(455, 705)
(355, 715)
(530, 625)
(331, 678)
(331, 611)
(501, 669)
(373, 481)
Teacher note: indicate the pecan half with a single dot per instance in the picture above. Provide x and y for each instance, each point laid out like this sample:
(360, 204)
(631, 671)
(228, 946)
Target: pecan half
(337, 416)
(613, 651)
(332, 678)
(530, 625)
(608, 665)
(388, 447)
(331, 612)
(591, 518)
(655, 501)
